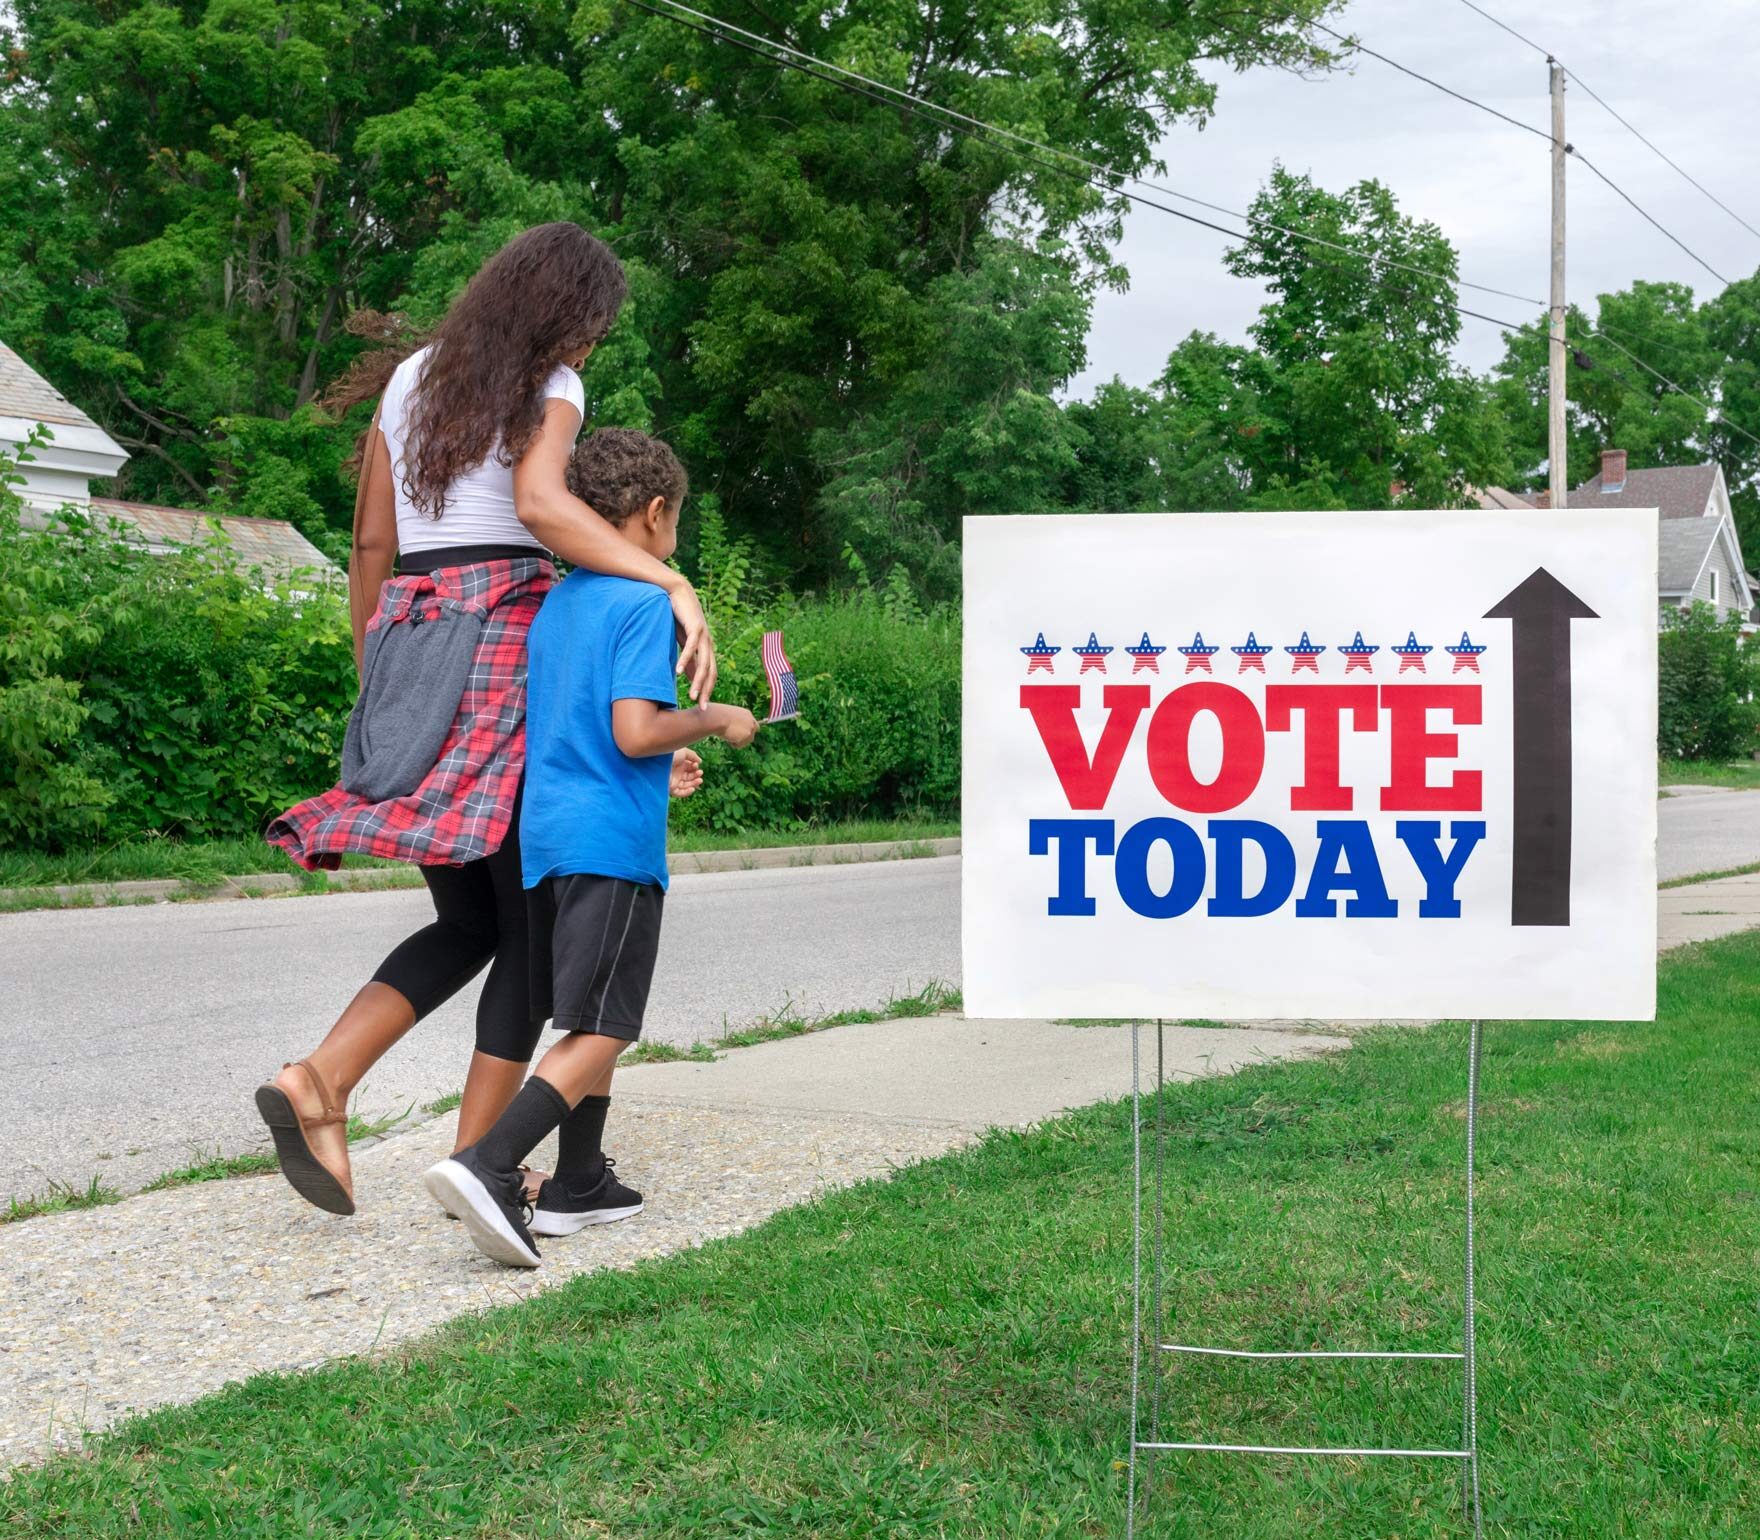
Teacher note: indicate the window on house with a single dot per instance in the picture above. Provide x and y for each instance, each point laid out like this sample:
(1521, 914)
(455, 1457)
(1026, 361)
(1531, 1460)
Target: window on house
(1714, 585)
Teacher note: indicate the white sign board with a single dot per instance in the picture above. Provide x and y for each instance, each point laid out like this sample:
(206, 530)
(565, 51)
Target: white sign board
(1346, 765)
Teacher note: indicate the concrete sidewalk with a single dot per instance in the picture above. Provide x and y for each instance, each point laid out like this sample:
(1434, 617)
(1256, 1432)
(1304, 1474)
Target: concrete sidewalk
(1703, 911)
(169, 1295)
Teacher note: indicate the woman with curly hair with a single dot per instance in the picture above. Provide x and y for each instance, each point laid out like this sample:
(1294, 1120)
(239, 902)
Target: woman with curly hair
(462, 488)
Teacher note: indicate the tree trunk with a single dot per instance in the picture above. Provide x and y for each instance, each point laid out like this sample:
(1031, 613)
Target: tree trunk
(286, 311)
(308, 379)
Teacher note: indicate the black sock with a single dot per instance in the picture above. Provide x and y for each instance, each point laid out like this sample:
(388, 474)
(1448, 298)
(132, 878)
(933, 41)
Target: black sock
(530, 1116)
(579, 1141)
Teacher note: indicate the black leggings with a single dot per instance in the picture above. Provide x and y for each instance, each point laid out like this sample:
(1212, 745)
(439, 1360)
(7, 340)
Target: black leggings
(481, 917)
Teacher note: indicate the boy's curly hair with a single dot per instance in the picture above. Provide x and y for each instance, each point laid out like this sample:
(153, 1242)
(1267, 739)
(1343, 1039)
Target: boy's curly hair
(617, 472)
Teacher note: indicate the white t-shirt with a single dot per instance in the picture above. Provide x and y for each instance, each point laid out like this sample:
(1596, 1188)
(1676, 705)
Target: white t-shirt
(479, 503)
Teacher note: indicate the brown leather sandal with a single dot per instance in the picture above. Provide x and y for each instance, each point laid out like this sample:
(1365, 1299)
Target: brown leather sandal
(309, 1176)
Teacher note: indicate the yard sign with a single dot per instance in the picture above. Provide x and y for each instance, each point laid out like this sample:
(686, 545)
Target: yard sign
(1352, 765)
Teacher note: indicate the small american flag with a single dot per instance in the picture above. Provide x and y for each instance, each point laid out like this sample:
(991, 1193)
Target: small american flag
(784, 699)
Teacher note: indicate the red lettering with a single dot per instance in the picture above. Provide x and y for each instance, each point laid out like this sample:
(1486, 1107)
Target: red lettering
(1413, 747)
(1243, 748)
(1087, 783)
(1321, 706)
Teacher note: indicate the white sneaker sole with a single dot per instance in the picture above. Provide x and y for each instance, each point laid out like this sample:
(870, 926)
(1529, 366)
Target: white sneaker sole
(548, 1221)
(457, 1190)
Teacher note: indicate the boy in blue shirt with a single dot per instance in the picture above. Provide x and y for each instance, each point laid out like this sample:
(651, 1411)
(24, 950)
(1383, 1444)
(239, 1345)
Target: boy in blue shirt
(602, 725)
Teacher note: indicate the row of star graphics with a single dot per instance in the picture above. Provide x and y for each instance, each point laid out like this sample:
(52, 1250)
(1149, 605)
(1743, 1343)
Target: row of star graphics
(1304, 655)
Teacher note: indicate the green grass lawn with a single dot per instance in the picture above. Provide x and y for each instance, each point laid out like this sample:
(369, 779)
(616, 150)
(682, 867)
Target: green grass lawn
(207, 861)
(1743, 774)
(198, 861)
(946, 1354)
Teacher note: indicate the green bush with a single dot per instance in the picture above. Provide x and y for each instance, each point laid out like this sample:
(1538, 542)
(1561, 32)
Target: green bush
(878, 733)
(174, 694)
(1709, 678)
(178, 695)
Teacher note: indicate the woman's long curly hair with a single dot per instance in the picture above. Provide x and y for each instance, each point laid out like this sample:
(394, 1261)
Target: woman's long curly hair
(542, 300)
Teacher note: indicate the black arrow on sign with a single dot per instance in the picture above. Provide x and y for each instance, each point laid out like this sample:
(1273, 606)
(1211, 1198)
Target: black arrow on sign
(1540, 610)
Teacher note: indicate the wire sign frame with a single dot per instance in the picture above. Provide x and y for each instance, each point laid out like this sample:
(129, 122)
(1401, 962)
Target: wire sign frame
(1148, 1448)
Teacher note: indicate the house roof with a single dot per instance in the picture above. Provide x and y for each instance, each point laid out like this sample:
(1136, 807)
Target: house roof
(25, 393)
(272, 543)
(1501, 497)
(1679, 491)
(1683, 545)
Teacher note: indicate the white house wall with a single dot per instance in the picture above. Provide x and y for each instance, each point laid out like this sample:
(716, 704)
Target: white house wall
(1730, 590)
(60, 470)
(47, 489)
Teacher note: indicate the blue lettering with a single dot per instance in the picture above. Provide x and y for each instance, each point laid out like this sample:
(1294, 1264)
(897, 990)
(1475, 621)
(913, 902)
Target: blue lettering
(1230, 836)
(1422, 837)
(1346, 859)
(1072, 836)
(1132, 868)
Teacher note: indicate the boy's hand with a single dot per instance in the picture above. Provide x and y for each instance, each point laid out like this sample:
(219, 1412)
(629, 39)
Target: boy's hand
(687, 772)
(740, 727)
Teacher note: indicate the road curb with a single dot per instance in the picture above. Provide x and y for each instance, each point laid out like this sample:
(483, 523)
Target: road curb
(90, 895)
(695, 861)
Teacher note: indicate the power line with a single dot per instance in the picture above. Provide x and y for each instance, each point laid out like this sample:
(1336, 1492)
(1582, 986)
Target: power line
(1711, 411)
(722, 32)
(1545, 52)
(783, 56)
(815, 65)
(1681, 169)
(1619, 118)
(1569, 149)
(983, 132)
(1590, 165)
(1459, 96)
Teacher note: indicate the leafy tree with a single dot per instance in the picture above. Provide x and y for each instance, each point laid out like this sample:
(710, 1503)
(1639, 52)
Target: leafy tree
(1732, 327)
(1711, 351)
(974, 428)
(205, 192)
(1349, 399)
(1362, 398)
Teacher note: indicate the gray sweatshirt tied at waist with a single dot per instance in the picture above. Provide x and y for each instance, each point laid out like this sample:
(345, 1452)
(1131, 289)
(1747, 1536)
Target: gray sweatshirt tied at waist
(414, 668)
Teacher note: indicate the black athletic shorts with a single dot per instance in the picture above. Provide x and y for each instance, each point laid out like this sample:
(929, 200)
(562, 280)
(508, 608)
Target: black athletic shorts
(602, 939)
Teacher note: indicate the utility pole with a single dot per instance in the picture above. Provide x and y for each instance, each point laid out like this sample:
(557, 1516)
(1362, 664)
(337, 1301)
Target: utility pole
(1555, 415)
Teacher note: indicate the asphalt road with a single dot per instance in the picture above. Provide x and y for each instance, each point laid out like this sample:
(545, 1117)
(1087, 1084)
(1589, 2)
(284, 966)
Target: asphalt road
(133, 1038)
(1707, 831)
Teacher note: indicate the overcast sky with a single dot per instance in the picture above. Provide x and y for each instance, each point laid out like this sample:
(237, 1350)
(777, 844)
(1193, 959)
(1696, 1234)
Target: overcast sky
(1684, 72)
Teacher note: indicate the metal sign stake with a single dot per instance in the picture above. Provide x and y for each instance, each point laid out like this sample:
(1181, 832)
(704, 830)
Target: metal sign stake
(1467, 1454)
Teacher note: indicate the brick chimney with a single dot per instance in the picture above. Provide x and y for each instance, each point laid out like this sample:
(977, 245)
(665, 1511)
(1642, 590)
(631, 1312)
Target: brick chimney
(1543, 498)
(1613, 469)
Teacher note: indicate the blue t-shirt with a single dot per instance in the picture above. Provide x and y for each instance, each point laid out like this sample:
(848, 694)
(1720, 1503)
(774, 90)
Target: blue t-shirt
(588, 806)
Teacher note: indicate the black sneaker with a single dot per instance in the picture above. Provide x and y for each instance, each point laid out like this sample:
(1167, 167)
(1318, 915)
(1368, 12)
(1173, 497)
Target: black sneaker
(561, 1210)
(525, 1177)
(492, 1205)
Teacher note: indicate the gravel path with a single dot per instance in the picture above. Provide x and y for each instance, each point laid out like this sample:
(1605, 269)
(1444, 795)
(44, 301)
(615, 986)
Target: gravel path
(170, 1295)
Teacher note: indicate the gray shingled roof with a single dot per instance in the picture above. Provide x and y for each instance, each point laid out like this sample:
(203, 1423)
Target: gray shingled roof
(1682, 550)
(1501, 497)
(25, 393)
(1679, 491)
(271, 543)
